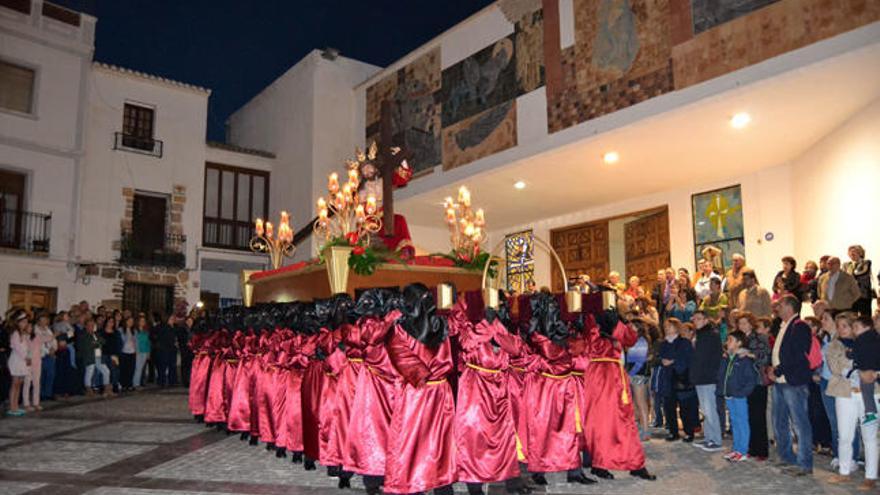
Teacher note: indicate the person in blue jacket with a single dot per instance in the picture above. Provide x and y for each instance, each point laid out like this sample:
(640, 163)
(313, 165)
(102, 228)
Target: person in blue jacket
(737, 377)
(675, 387)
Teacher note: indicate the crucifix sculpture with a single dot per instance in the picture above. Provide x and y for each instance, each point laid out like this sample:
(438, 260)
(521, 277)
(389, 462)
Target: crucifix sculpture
(390, 157)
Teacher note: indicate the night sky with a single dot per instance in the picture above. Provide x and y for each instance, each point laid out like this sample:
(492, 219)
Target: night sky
(238, 47)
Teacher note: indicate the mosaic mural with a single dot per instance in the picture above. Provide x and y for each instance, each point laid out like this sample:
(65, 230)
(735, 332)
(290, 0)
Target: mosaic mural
(483, 134)
(710, 13)
(624, 52)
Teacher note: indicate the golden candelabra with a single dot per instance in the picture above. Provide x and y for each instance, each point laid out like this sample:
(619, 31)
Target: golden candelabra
(466, 225)
(351, 218)
(277, 245)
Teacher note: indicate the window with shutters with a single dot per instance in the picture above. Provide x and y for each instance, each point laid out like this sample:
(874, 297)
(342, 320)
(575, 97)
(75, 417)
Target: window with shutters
(234, 197)
(17, 87)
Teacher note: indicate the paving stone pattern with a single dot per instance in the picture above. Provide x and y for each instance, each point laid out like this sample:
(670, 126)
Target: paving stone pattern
(147, 444)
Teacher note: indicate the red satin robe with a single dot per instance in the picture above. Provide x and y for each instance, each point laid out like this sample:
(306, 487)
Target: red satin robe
(279, 389)
(609, 421)
(240, 413)
(579, 364)
(231, 354)
(215, 412)
(420, 440)
(312, 388)
(298, 348)
(266, 387)
(201, 370)
(485, 436)
(347, 372)
(522, 362)
(376, 393)
(554, 421)
(331, 446)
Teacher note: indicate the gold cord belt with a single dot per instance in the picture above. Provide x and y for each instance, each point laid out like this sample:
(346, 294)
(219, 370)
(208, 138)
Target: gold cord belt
(556, 377)
(624, 396)
(480, 368)
(436, 382)
(355, 360)
(521, 370)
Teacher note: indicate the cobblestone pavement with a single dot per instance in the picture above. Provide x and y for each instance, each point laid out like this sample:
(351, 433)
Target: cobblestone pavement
(146, 444)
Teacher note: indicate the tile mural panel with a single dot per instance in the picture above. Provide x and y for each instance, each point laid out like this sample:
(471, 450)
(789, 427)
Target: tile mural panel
(529, 48)
(479, 82)
(710, 13)
(481, 135)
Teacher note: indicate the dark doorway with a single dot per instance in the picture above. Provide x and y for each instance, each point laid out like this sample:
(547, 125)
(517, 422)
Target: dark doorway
(148, 298)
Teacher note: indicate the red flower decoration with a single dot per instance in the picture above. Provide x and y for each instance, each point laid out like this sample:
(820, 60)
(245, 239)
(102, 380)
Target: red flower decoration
(358, 250)
(352, 238)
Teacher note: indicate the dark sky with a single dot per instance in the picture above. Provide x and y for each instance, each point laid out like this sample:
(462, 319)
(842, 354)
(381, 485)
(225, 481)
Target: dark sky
(238, 47)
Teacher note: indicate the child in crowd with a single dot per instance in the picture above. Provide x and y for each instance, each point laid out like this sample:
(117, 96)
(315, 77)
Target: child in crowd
(19, 362)
(866, 359)
(675, 387)
(65, 368)
(737, 378)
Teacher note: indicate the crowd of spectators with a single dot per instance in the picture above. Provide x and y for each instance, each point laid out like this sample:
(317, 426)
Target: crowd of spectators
(82, 351)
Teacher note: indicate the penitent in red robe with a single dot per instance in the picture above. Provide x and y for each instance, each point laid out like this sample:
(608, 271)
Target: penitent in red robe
(298, 350)
(331, 453)
(485, 437)
(314, 395)
(347, 371)
(240, 409)
(279, 387)
(610, 428)
(215, 412)
(201, 369)
(231, 353)
(265, 392)
(376, 392)
(420, 440)
(554, 417)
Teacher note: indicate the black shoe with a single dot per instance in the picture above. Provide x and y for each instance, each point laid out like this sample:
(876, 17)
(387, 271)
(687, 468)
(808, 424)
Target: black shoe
(672, 438)
(296, 457)
(602, 473)
(254, 441)
(200, 418)
(643, 474)
(280, 452)
(270, 446)
(580, 478)
(539, 479)
(521, 490)
(244, 436)
(334, 471)
(309, 465)
(375, 490)
(344, 483)
(688, 439)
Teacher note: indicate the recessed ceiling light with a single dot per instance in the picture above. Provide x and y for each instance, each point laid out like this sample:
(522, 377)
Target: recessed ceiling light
(519, 184)
(740, 120)
(611, 157)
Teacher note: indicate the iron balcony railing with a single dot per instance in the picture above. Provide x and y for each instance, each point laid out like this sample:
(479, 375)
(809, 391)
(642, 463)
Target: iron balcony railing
(169, 250)
(25, 231)
(135, 144)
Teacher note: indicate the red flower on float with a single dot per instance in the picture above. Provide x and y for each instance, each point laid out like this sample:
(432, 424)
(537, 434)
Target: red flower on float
(352, 238)
(358, 250)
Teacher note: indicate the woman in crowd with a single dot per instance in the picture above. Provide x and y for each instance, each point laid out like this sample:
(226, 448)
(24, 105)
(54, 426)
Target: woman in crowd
(827, 335)
(809, 278)
(844, 387)
(685, 285)
(675, 388)
(128, 354)
(634, 289)
(110, 349)
(143, 351)
(787, 280)
(759, 350)
(860, 268)
(715, 302)
(638, 362)
(88, 352)
(19, 360)
(679, 306)
(44, 335)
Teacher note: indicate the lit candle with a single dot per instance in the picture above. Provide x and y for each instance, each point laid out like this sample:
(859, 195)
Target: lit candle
(323, 213)
(450, 216)
(333, 182)
(346, 189)
(371, 204)
(480, 219)
(359, 213)
(322, 204)
(269, 230)
(259, 226)
(469, 230)
(448, 203)
(464, 196)
(478, 233)
(353, 175)
(285, 218)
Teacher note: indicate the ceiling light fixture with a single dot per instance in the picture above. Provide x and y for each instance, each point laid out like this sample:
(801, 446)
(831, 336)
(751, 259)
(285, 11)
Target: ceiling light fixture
(519, 185)
(611, 157)
(740, 120)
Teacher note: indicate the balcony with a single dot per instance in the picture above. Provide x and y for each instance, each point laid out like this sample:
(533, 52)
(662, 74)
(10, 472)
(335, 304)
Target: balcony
(25, 231)
(135, 144)
(169, 251)
(227, 234)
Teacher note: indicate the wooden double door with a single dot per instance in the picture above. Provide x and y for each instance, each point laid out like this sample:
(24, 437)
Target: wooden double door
(33, 298)
(584, 249)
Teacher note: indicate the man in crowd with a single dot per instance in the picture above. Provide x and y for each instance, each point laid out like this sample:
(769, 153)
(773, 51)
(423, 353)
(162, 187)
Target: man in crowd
(733, 281)
(704, 374)
(752, 297)
(791, 394)
(838, 288)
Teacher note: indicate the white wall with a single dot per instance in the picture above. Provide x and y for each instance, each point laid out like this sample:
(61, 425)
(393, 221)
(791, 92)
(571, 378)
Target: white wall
(307, 117)
(835, 184)
(767, 207)
(180, 123)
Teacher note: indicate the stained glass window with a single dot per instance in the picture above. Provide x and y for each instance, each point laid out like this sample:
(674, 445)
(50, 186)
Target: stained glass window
(519, 254)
